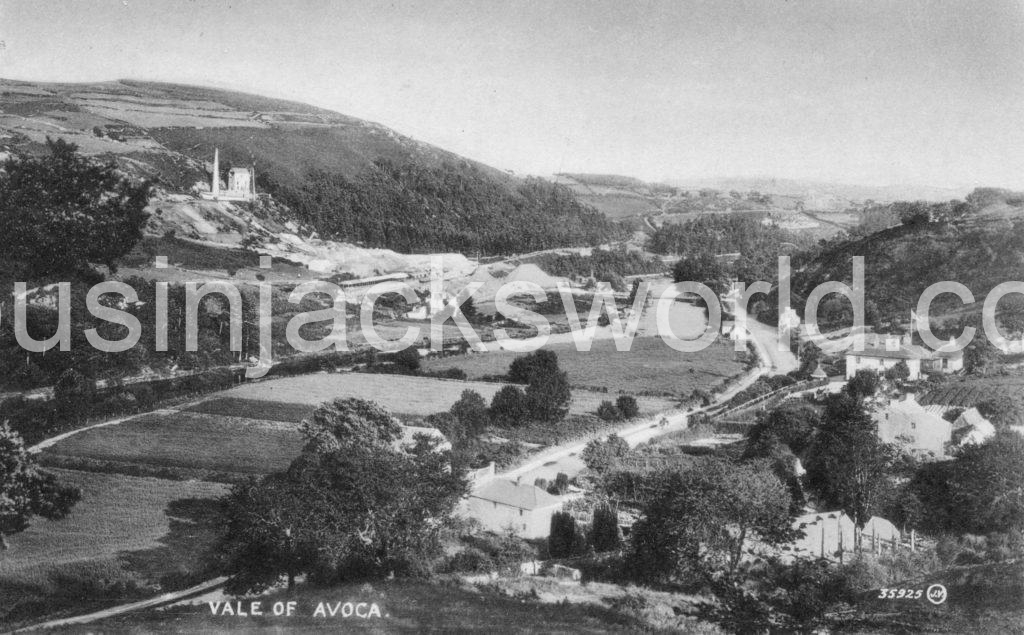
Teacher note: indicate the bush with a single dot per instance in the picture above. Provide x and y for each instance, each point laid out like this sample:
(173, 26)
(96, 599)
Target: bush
(470, 560)
(509, 407)
(607, 411)
(604, 530)
(627, 406)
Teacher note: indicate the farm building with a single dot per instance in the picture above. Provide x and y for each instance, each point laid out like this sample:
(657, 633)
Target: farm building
(916, 428)
(500, 505)
(881, 355)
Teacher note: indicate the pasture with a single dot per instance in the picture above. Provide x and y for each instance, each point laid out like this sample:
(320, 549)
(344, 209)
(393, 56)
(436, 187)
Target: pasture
(128, 537)
(183, 444)
(649, 366)
(403, 395)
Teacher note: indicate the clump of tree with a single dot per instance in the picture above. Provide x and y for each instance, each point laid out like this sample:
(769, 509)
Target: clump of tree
(699, 521)
(547, 393)
(847, 464)
(351, 506)
(61, 213)
(565, 540)
(624, 407)
(602, 456)
(25, 490)
(452, 207)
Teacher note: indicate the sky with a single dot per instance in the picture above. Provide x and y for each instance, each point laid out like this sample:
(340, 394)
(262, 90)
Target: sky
(875, 93)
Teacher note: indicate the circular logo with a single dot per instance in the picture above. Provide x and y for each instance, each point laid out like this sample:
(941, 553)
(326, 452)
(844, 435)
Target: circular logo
(936, 594)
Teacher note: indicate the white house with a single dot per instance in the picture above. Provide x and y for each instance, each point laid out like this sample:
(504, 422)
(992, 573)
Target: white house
(972, 428)
(909, 424)
(500, 504)
(882, 354)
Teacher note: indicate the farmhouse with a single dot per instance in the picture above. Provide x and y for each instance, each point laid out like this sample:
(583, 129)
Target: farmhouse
(882, 354)
(500, 504)
(911, 425)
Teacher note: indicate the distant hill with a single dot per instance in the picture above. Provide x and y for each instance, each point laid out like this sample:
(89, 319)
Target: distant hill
(342, 177)
(822, 195)
(982, 246)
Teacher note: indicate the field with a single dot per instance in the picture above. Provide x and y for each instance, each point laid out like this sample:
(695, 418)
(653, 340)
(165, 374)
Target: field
(127, 537)
(649, 366)
(183, 444)
(403, 395)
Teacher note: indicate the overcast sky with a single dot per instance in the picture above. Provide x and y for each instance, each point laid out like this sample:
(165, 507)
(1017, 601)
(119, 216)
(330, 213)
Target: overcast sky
(856, 92)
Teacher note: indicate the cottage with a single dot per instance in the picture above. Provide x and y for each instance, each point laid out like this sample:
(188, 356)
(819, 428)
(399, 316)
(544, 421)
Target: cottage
(909, 424)
(881, 356)
(972, 428)
(500, 504)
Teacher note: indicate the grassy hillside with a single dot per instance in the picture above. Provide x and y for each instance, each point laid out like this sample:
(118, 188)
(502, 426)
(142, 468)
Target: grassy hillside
(979, 251)
(347, 179)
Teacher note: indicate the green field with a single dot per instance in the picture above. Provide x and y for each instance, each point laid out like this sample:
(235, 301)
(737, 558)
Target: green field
(649, 366)
(182, 444)
(404, 395)
(127, 537)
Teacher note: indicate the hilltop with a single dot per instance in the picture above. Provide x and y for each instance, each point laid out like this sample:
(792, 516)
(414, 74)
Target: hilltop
(976, 242)
(331, 176)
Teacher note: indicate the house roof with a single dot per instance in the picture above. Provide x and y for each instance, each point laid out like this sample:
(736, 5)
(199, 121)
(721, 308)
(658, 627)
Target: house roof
(904, 351)
(409, 434)
(514, 494)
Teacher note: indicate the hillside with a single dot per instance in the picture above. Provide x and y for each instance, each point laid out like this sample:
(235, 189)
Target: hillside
(981, 247)
(344, 178)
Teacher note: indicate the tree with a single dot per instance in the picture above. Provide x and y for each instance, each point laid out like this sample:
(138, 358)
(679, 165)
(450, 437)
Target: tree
(61, 212)
(1001, 410)
(564, 540)
(627, 406)
(701, 519)
(547, 398)
(607, 411)
(471, 410)
(702, 268)
(509, 407)
(604, 529)
(347, 422)
(407, 359)
(601, 456)
(986, 486)
(899, 372)
(793, 423)
(847, 464)
(360, 509)
(533, 367)
(27, 491)
(865, 383)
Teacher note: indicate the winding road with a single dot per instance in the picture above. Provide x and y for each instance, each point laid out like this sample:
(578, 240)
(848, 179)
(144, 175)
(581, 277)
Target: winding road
(686, 321)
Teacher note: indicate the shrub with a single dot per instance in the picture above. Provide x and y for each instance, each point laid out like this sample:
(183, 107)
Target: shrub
(509, 407)
(604, 529)
(627, 406)
(607, 411)
(470, 560)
